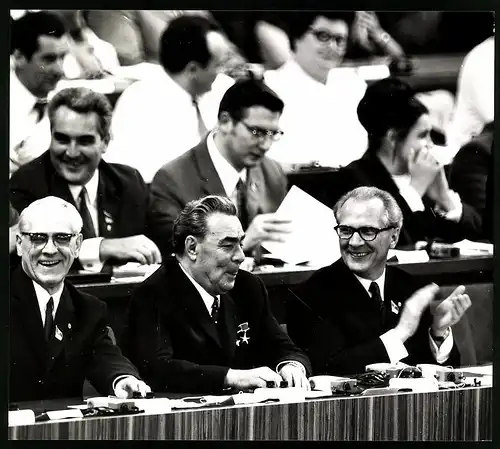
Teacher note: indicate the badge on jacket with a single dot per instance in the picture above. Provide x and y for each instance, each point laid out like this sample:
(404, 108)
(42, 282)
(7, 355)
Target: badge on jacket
(243, 328)
(108, 220)
(58, 333)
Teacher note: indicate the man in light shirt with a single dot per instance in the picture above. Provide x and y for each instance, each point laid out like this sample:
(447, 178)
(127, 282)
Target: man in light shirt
(319, 119)
(58, 335)
(154, 122)
(112, 198)
(361, 311)
(200, 324)
(229, 161)
(38, 48)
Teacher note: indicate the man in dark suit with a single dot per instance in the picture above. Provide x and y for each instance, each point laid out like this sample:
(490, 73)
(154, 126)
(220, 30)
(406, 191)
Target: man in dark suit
(112, 198)
(359, 311)
(58, 335)
(199, 324)
(230, 161)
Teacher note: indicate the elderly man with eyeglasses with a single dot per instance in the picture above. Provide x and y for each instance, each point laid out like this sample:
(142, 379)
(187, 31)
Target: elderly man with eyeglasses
(58, 335)
(361, 311)
(230, 161)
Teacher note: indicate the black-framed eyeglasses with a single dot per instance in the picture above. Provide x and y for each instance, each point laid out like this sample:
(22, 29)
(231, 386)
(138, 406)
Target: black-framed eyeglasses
(261, 133)
(367, 233)
(325, 37)
(60, 239)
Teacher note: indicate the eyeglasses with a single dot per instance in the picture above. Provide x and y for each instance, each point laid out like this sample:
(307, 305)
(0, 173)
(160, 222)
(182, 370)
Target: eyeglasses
(261, 133)
(38, 239)
(325, 37)
(367, 233)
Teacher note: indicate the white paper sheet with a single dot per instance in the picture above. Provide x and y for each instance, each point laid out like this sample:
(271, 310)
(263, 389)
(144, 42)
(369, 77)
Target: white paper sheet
(313, 238)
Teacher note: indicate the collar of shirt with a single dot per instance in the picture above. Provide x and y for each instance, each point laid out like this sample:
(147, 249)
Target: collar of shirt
(208, 299)
(367, 282)
(401, 181)
(91, 186)
(228, 175)
(21, 99)
(43, 297)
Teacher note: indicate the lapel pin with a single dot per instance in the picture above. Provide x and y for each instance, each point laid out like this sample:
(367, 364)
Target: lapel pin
(243, 328)
(59, 334)
(395, 308)
(69, 325)
(253, 186)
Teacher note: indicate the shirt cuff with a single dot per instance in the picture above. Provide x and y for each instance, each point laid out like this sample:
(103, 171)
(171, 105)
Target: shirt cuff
(441, 353)
(89, 254)
(454, 214)
(291, 362)
(412, 198)
(395, 348)
(115, 382)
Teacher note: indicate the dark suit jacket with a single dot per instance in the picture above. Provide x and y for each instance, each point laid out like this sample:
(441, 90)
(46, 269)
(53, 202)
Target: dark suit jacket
(469, 170)
(339, 329)
(41, 370)
(176, 345)
(369, 171)
(193, 175)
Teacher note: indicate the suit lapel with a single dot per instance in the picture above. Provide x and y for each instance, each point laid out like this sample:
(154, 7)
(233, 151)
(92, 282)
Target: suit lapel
(211, 183)
(64, 321)
(192, 302)
(108, 203)
(25, 308)
(229, 321)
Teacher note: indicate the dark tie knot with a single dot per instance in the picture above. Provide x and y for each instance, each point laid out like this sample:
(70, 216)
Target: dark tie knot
(39, 108)
(375, 291)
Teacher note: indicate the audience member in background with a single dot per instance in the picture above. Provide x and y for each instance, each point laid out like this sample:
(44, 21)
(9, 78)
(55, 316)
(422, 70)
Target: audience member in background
(199, 323)
(154, 122)
(89, 56)
(112, 198)
(359, 311)
(319, 120)
(229, 161)
(469, 170)
(38, 48)
(475, 95)
(58, 335)
(134, 33)
(400, 160)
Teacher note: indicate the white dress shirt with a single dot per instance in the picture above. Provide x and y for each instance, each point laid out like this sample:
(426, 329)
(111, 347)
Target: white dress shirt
(319, 121)
(28, 138)
(228, 175)
(154, 121)
(89, 252)
(475, 100)
(43, 297)
(395, 348)
(407, 191)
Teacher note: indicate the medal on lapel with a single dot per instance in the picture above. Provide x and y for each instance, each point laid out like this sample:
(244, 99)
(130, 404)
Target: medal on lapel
(108, 220)
(395, 308)
(243, 328)
(58, 333)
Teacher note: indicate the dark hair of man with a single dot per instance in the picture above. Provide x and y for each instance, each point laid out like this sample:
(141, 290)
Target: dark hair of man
(193, 218)
(388, 104)
(393, 214)
(84, 101)
(247, 93)
(27, 29)
(185, 40)
(300, 22)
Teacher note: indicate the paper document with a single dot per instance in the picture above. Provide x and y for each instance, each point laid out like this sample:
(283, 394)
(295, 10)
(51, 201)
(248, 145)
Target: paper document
(469, 248)
(133, 269)
(313, 238)
(416, 256)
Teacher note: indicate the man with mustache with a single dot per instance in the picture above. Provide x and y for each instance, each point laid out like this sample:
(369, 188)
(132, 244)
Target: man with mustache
(112, 198)
(38, 48)
(358, 311)
(199, 323)
(231, 160)
(319, 121)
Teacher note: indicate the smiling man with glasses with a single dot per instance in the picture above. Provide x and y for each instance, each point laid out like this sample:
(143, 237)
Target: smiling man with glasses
(361, 311)
(231, 161)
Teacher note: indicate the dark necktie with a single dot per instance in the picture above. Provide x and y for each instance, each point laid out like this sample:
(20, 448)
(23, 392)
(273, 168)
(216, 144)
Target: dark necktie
(49, 320)
(385, 307)
(40, 107)
(88, 230)
(215, 310)
(202, 129)
(241, 203)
